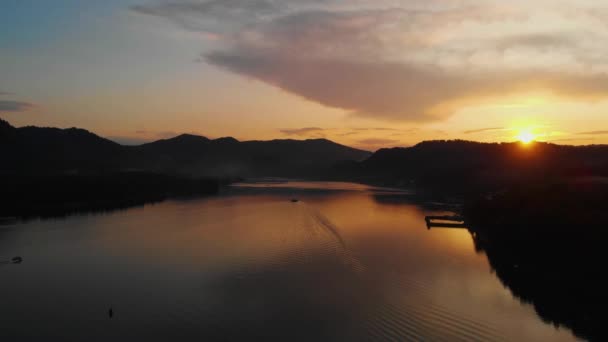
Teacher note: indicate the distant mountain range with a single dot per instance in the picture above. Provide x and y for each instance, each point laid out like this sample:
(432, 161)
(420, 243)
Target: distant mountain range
(442, 164)
(458, 164)
(53, 150)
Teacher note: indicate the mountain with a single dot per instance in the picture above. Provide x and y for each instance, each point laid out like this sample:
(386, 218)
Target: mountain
(230, 157)
(461, 164)
(36, 149)
(43, 150)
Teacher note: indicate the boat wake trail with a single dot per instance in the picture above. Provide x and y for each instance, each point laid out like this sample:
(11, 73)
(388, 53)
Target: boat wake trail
(323, 224)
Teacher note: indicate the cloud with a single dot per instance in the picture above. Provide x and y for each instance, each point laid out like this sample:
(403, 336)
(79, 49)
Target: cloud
(570, 140)
(306, 131)
(374, 129)
(378, 141)
(593, 133)
(14, 106)
(541, 41)
(401, 133)
(168, 134)
(400, 60)
(385, 129)
(480, 130)
(398, 90)
(347, 134)
(215, 16)
(389, 90)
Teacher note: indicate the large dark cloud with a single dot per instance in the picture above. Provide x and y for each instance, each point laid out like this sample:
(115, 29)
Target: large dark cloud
(398, 90)
(384, 89)
(395, 60)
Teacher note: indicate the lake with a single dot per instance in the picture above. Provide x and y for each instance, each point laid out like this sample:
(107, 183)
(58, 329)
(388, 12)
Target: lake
(343, 262)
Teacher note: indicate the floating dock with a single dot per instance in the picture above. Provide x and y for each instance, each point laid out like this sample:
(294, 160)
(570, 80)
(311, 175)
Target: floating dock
(445, 222)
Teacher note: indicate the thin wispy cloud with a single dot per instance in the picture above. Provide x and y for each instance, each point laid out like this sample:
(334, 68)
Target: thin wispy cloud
(15, 106)
(593, 133)
(378, 141)
(537, 41)
(384, 129)
(397, 134)
(481, 130)
(570, 140)
(12, 105)
(306, 131)
(348, 134)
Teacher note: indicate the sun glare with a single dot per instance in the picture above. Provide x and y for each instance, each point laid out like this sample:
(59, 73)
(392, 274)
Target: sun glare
(526, 136)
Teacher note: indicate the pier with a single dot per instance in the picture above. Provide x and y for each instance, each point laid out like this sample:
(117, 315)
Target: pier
(447, 221)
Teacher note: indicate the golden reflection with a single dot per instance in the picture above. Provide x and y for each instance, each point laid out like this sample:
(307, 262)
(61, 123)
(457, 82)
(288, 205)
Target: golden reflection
(329, 255)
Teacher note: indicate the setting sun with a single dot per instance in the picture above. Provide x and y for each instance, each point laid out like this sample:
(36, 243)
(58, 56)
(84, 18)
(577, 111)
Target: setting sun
(526, 136)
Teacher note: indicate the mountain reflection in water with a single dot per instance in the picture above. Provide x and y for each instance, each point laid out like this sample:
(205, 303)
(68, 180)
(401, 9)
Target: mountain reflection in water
(251, 264)
(564, 282)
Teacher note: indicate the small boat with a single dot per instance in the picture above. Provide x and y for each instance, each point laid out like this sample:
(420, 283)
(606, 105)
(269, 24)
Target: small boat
(17, 260)
(295, 200)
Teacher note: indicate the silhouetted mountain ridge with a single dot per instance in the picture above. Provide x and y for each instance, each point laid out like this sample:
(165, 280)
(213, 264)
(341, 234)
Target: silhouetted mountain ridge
(458, 163)
(42, 150)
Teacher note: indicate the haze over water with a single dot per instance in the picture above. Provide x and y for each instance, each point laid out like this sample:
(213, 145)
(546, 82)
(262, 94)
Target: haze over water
(346, 262)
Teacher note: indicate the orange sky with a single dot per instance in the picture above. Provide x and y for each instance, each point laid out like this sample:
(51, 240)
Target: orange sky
(364, 73)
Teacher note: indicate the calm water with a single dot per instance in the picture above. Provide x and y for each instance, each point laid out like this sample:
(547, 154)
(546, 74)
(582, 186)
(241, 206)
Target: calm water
(347, 262)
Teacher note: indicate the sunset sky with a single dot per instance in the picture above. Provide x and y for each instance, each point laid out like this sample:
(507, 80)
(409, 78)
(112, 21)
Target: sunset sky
(365, 73)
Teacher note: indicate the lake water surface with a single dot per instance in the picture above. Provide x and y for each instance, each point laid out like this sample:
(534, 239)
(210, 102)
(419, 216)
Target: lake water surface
(346, 262)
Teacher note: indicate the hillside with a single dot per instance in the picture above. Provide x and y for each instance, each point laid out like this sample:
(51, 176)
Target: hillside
(458, 164)
(43, 150)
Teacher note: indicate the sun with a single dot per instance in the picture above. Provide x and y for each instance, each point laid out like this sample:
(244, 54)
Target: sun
(526, 136)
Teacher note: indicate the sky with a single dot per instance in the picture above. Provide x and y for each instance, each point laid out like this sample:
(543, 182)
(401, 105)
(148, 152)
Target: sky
(364, 73)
